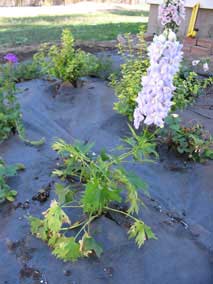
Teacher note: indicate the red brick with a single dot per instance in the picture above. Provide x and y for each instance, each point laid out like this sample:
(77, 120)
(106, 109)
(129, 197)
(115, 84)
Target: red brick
(200, 51)
(205, 42)
(187, 48)
(148, 37)
(189, 41)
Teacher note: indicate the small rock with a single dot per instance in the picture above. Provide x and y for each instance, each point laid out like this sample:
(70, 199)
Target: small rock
(67, 272)
(108, 271)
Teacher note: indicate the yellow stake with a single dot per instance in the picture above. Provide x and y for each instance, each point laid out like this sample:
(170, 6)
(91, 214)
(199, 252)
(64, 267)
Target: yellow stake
(191, 32)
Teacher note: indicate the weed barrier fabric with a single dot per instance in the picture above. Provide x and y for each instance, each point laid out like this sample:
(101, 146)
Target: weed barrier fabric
(179, 211)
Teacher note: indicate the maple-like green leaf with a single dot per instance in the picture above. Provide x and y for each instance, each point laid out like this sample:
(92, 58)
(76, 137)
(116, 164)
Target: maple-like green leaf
(55, 217)
(137, 182)
(149, 233)
(91, 199)
(89, 245)
(65, 195)
(137, 231)
(53, 239)
(98, 195)
(140, 232)
(132, 193)
(38, 228)
(67, 249)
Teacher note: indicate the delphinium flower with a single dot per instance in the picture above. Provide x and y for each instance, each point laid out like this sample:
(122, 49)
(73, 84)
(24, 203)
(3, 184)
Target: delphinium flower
(11, 58)
(154, 100)
(205, 67)
(203, 62)
(171, 13)
(195, 62)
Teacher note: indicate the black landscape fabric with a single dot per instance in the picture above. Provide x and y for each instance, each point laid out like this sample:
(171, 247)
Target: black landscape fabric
(179, 211)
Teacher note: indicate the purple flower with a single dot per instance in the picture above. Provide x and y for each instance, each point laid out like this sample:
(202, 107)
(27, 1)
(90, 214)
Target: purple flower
(11, 58)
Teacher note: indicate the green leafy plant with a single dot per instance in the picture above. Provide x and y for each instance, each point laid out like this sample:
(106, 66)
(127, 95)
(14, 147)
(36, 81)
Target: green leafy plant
(67, 63)
(192, 141)
(6, 193)
(128, 84)
(25, 71)
(9, 108)
(188, 88)
(10, 113)
(105, 184)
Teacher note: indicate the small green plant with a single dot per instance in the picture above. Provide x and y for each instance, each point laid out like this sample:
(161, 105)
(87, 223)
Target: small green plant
(6, 193)
(105, 183)
(128, 84)
(10, 113)
(192, 141)
(188, 88)
(26, 71)
(67, 63)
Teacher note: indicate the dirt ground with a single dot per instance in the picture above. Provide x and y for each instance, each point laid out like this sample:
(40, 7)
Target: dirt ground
(179, 211)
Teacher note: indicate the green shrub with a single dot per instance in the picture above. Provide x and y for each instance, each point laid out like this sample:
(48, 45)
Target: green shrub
(188, 88)
(9, 108)
(128, 83)
(26, 71)
(66, 63)
(10, 113)
(192, 141)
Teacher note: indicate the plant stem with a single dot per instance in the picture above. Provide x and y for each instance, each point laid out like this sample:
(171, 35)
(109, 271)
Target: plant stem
(87, 223)
(74, 226)
(72, 206)
(121, 212)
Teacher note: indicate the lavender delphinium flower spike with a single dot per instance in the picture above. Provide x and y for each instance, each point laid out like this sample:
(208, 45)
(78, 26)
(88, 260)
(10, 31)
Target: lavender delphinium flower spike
(154, 101)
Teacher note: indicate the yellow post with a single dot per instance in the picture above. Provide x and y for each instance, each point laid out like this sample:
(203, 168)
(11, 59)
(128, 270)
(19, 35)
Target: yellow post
(191, 32)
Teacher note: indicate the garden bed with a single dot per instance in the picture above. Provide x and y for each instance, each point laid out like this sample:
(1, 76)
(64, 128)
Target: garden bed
(179, 210)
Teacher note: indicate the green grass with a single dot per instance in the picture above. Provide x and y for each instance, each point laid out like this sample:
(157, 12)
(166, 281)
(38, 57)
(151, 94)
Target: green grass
(93, 26)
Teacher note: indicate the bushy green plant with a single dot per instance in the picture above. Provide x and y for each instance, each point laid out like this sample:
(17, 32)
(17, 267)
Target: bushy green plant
(25, 71)
(128, 84)
(6, 193)
(192, 141)
(9, 108)
(188, 88)
(105, 182)
(10, 113)
(67, 63)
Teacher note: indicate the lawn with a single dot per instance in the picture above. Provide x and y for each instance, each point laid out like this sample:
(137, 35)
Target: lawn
(100, 25)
